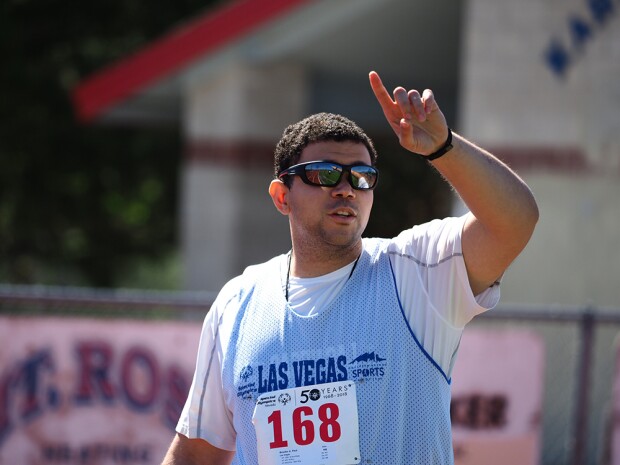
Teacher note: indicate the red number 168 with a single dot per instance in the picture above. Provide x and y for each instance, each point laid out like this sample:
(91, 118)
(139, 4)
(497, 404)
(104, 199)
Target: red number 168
(303, 426)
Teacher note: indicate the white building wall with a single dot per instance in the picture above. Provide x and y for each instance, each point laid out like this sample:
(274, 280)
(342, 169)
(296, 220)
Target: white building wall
(514, 101)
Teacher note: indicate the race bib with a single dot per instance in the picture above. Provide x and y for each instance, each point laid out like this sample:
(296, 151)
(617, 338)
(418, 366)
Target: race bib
(309, 425)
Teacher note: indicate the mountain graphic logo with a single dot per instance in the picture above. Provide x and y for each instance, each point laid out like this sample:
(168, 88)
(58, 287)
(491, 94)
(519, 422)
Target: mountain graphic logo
(367, 357)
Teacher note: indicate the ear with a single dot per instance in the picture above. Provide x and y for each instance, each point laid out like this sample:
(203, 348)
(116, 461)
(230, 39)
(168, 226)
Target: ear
(279, 194)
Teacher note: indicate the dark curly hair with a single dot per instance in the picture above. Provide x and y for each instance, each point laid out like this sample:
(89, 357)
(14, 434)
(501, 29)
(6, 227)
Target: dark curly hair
(317, 128)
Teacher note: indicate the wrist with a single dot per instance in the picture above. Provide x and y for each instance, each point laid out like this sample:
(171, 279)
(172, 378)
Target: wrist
(445, 148)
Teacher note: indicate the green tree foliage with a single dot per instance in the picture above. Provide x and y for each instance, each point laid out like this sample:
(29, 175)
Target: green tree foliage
(79, 203)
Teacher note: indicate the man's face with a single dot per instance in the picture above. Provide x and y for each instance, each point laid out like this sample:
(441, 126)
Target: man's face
(334, 216)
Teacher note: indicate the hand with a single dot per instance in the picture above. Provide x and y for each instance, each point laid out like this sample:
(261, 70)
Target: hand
(417, 121)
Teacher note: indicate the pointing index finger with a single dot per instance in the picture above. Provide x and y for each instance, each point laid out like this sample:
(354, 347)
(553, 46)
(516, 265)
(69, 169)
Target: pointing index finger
(381, 93)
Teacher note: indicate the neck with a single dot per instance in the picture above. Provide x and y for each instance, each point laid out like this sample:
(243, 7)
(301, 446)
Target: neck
(308, 263)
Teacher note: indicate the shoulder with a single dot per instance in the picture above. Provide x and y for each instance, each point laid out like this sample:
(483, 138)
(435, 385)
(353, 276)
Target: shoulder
(434, 240)
(238, 289)
(254, 275)
(436, 230)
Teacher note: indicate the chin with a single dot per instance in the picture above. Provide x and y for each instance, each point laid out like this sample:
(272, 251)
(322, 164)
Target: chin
(344, 241)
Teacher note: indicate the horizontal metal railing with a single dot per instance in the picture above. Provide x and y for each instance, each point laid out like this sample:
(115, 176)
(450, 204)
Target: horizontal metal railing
(584, 322)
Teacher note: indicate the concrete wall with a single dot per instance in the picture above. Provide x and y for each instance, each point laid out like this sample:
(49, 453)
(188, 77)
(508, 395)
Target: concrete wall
(557, 122)
(231, 124)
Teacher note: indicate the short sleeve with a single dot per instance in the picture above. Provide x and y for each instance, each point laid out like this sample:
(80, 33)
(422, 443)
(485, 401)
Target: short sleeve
(433, 286)
(205, 414)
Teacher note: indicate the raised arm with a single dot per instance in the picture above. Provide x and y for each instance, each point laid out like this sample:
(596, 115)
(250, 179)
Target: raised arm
(185, 451)
(503, 209)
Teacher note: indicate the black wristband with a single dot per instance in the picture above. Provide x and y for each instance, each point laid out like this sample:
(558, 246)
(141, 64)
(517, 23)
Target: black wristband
(446, 147)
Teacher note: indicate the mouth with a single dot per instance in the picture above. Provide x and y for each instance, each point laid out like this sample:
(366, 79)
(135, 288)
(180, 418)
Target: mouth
(343, 213)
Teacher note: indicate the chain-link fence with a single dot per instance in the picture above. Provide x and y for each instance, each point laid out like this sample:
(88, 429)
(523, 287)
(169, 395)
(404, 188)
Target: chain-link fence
(580, 353)
(581, 349)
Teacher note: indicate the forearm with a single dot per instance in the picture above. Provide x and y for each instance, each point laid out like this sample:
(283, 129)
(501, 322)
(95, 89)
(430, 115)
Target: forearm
(503, 210)
(185, 451)
(494, 194)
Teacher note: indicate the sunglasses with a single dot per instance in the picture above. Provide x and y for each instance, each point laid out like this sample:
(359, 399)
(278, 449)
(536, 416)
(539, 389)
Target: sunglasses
(329, 174)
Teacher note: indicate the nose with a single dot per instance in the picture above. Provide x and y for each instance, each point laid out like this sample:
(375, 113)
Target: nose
(343, 188)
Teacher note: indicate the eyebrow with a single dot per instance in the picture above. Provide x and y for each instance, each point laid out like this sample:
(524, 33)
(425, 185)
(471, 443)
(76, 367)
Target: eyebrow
(355, 163)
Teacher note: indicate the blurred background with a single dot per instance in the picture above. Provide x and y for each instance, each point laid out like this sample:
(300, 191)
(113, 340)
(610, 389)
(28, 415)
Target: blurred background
(136, 145)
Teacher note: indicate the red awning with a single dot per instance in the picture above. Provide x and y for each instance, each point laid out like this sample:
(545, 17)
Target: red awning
(173, 52)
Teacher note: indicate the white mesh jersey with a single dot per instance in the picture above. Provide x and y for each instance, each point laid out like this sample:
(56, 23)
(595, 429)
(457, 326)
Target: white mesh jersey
(393, 329)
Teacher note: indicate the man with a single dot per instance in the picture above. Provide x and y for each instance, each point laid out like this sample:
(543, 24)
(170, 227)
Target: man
(341, 351)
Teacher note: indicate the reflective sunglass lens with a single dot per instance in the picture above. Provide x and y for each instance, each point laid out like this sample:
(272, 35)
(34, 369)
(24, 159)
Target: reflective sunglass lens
(323, 174)
(363, 177)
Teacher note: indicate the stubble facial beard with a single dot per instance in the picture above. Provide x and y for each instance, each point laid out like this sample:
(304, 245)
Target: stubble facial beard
(317, 239)
(325, 245)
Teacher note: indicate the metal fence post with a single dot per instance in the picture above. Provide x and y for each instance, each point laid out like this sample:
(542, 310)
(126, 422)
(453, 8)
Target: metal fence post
(580, 427)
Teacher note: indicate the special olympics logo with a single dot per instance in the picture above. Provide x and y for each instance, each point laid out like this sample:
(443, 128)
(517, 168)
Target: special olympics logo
(284, 398)
(246, 372)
